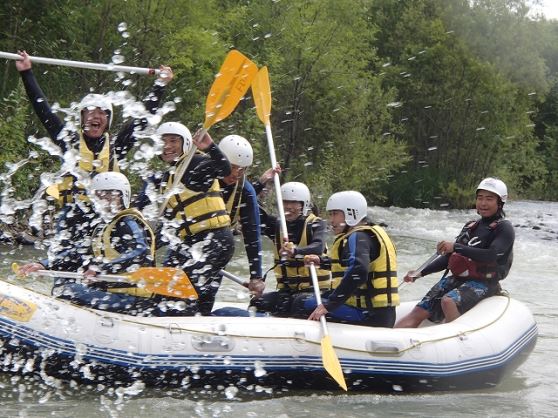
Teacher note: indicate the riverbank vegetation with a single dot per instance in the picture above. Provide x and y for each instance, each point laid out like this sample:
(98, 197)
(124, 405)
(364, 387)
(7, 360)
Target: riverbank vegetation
(410, 102)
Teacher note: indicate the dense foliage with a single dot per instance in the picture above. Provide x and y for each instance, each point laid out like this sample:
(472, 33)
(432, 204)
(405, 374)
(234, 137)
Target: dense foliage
(410, 102)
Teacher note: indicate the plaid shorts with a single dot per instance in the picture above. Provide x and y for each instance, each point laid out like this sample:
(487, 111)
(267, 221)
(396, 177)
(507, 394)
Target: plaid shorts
(465, 294)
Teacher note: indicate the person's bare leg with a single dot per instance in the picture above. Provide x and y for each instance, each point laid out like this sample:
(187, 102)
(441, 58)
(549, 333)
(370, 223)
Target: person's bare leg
(413, 319)
(450, 309)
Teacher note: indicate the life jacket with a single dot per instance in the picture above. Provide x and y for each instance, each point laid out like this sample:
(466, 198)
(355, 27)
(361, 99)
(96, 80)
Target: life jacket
(196, 211)
(466, 268)
(291, 273)
(103, 248)
(233, 202)
(69, 188)
(380, 290)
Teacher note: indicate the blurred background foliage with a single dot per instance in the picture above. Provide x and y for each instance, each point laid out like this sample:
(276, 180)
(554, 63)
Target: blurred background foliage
(409, 102)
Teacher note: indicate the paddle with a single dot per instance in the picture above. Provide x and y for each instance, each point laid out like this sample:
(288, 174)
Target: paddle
(329, 358)
(427, 262)
(230, 85)
(234, 278)
(81, 64)
(261, 92)
(167, 281)
(262, 97)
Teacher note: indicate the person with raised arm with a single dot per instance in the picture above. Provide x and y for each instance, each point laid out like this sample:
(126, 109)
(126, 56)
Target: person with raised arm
(195, 223)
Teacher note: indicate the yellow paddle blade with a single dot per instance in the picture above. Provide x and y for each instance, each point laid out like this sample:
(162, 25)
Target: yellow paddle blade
(231, 83)
(331, 362)
(15, 269)
(167, 281)
(262, 95)
(53, 191)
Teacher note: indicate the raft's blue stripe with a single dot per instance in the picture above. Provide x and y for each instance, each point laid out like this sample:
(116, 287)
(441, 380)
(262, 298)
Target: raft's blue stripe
(214, 361)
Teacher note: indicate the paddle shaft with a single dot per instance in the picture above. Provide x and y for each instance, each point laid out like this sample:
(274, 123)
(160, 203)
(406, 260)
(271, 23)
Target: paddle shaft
(426, 263)
(178, 174)
(318, 297)
(82, 64)
(276, 182)
(72, 275)
(234, 278)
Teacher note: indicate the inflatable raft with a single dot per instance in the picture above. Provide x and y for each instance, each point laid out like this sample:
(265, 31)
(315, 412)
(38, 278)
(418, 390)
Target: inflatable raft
(54, 339)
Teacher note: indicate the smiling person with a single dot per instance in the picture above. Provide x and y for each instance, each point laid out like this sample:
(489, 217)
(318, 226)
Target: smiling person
(363, 263)
(478, 259)
(196, 226)
(98, 152)
(306, 236)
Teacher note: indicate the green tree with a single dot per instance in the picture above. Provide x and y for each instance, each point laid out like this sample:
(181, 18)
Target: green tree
(464, 120)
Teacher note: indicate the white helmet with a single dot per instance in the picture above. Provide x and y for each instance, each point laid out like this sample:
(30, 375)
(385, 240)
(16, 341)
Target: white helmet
(92, 101)
(111, 180)
(297, 192)
(353, 204)
(496, 186)
(237, 150)
(176, 128)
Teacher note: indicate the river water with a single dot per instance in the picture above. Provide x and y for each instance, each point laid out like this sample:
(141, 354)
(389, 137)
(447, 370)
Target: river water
(529, 392)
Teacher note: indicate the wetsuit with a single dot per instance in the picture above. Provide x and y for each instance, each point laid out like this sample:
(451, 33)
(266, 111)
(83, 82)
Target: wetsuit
(74, 214)
(245, 208)
(291, 274)
(488, 241)
(200, 254)
(123, 141)
(359, 251)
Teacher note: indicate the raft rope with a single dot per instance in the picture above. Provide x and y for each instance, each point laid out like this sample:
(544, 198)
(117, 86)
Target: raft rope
(174, 327)
(414, 344)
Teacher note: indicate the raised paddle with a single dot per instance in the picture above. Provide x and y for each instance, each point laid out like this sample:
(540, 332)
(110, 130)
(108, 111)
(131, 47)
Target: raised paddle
(167, 281)
(231, 83)
(261, 92)
(81, 64)
(329, 358)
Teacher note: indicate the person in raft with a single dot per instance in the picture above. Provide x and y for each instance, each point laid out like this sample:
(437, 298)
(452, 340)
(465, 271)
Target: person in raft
(363, 263)
(478, 259)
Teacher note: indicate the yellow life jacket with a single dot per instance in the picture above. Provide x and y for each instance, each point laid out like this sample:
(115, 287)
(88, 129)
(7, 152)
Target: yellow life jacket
(197, 211)
(103, 248)
(68, 189)
(291, 273)
(233, 202)
(380, 290)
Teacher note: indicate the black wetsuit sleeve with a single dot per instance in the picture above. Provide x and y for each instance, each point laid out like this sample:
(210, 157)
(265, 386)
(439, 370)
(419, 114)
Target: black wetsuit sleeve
(130, 240)
(125, 139)
(268, 224)
(503, 241)
(205, 168)
(317, 242)
(258, 187)
(360, 249)
(251, 229)
(142, 199)
(439, 264)
(48, 118)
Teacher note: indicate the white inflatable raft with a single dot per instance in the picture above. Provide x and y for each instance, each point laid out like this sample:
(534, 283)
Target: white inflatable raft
(49, 337)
